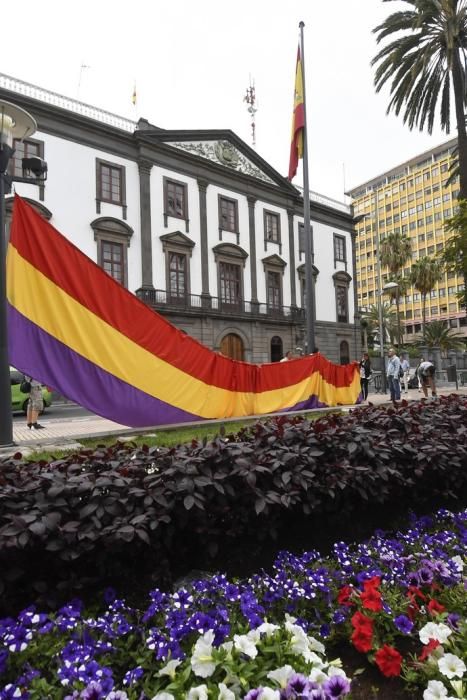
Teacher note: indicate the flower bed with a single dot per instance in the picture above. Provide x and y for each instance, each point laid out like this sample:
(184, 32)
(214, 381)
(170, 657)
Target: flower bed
(398, 599)
(103, 514)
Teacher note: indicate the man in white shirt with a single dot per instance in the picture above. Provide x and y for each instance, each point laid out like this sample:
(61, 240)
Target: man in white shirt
(288, 356)
(393, 375)
(426, 372)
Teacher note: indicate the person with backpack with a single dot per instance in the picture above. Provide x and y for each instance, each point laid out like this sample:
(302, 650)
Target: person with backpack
(35, 403)
(393, 374)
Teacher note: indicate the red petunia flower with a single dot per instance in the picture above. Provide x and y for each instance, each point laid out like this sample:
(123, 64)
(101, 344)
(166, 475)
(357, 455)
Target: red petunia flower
(389, 661)
(415, 592)
(343, 597)
(360, 621)
(412, 610)
(428, 648)
(362, 638)
(435, 608)
(374, 582)
(371, 600)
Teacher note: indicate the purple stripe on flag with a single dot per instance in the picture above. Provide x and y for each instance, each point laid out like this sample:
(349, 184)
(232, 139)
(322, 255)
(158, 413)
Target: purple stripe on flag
(55, 364)
(310, 403)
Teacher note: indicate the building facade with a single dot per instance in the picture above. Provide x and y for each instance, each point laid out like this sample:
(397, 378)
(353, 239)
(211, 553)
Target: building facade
(413, 199)
(195, 223)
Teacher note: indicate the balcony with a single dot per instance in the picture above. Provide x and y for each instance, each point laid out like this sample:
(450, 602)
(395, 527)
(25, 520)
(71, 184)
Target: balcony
(195, 305)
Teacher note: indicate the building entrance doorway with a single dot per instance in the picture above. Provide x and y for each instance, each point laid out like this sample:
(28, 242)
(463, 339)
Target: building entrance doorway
(232, 346)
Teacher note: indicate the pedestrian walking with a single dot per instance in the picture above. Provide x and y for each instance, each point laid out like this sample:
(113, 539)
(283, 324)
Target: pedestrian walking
(405, 366)
(393, 374)
(365, 374)
(35, 404)
(427, 372)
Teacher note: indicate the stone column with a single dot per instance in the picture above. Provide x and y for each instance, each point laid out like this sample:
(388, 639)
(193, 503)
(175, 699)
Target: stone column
(203, 223)
(144, 168)
(253, 273)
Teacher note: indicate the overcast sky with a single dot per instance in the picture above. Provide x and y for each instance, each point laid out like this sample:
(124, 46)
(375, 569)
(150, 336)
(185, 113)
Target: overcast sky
(192, 59)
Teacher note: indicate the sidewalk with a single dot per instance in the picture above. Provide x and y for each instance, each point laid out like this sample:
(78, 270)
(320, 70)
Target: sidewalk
(63, 433)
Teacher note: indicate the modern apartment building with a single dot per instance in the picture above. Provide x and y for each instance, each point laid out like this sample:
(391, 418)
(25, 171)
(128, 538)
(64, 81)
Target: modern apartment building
(414, 199)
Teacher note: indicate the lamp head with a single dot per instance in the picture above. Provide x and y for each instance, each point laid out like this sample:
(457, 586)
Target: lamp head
(37, 166)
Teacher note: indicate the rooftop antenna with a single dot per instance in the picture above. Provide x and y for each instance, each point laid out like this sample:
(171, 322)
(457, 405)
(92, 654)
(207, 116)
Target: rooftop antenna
(250, 99)
(82, 67)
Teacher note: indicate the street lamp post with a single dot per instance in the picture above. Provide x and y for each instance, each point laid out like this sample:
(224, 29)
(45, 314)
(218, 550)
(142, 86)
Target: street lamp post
(15, 123)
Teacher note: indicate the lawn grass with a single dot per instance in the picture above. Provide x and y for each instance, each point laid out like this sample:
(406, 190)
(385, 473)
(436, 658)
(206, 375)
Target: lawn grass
(161, 438)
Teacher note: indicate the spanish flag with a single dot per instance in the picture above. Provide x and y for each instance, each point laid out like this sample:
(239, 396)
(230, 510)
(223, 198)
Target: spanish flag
(298, 120)
(133, 97)
(74, 327)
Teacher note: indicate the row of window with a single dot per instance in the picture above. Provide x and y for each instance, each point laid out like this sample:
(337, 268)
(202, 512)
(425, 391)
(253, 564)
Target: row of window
(230, 277)
(111, 188)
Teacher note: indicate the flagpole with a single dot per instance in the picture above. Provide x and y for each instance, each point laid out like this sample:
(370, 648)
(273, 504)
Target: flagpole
(309, 281)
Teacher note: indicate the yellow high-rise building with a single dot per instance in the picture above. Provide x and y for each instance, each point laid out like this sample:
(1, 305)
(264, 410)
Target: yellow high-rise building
(413, 199)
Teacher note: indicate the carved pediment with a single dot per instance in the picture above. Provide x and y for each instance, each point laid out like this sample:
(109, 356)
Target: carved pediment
(274, 261)
(229, 250)
(225, 153)
(177, 238)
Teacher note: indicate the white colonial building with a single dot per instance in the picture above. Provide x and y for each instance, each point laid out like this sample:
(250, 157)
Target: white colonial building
(195, 223)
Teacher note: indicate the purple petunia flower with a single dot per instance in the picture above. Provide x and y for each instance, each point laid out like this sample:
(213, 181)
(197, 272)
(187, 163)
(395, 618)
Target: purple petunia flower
(253, 694)
(297, 686)
(336, 687)
(403, 624)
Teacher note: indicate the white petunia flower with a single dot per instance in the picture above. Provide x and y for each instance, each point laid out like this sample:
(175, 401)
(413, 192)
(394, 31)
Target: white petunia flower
(245, 645)
(432, 630)
(299, 641)
(281, 675)
(313, 659)
(267, 628)
(198, 693)
(317, 676)
(202, 662)
(435, 691)
(254, 636)
(269, 694)
(336, 671)
(169, 668)
(163, 696)
(316, 646)
(450, 666)
(459, 563)
(225, 693)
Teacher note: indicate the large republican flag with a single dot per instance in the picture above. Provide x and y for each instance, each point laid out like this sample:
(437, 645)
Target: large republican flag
(298, 120)
(75, 328)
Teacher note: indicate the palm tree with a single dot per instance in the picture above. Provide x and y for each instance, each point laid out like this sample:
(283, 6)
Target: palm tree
(425, 63)
(371, 317)
(436, 335)
(395, 251)
(426, 272)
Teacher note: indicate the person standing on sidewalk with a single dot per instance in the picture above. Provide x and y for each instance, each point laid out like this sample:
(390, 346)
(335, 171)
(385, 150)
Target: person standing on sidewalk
(393, 375)
(35, 405)
(365, 373)
(405, 365)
